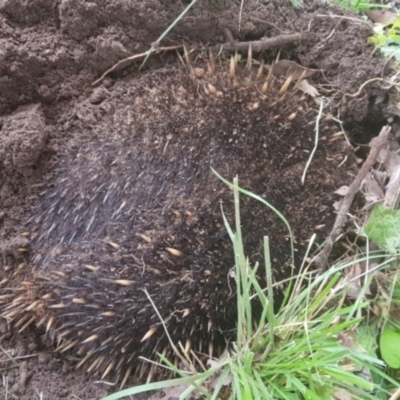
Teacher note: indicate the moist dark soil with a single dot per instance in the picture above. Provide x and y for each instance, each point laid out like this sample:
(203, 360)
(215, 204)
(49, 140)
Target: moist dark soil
(52, 51)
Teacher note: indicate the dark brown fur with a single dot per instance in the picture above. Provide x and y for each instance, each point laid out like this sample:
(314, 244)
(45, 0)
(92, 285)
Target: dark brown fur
(115, 205)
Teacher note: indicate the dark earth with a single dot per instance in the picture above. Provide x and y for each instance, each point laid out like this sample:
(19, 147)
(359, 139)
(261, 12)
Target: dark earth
(50, 54)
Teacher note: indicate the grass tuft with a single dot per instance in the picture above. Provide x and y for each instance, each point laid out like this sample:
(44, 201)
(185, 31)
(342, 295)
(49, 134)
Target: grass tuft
(359, 5)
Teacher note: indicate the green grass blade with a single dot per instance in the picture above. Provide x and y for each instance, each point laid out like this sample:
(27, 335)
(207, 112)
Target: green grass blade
(167, 31)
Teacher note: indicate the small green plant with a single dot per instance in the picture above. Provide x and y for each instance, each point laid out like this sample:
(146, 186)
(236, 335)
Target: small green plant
(383, 228)
(357, 5)
(387, 38)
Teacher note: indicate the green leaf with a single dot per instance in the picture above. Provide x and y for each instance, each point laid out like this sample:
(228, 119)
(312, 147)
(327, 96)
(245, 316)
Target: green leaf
(390, 347)
(387, 51)
(378, 40)
(383, 228)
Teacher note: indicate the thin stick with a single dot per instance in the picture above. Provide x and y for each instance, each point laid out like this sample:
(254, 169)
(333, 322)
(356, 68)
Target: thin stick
(376, 145)
(321, 107)
(261, 45)
(135, 57)
(240, 14)
(172, 344)
(395, 395)
(343, 17)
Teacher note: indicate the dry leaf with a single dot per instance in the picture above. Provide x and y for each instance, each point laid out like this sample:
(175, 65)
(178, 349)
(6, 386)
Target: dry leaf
(342, 191)
(391, 161)
(393, 189)
(381, 17)
(290, 68)
(336, 205)
(347, 339)
(396, 129)
(354, 284)
(355, 275)
(307, 88)
(379, 176)
(373, 193)
(383, 155)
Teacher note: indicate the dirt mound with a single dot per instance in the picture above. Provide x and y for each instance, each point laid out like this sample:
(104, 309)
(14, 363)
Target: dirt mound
(52, 51)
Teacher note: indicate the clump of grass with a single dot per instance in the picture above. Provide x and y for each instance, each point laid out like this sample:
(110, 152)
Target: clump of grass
(358, 5)
(297, 352)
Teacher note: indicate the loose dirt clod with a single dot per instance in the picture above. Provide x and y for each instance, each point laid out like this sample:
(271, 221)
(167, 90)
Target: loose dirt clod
(23, 137)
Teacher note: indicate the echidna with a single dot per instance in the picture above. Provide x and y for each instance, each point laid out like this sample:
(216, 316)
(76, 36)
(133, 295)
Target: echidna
(133, 205)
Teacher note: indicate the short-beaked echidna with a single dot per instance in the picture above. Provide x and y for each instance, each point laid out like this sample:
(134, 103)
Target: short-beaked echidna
(132, 204)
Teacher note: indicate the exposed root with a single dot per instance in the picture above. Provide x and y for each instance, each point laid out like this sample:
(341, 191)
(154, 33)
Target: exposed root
(135, 57)
(356, 94)
(261, 45)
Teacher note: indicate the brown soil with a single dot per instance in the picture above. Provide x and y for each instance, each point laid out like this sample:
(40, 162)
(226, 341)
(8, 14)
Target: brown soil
(51, 52)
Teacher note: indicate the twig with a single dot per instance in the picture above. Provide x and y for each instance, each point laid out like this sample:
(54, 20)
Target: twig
(240, 14)
(395, 395)
(376, 145)
(261, 45)
(343, 17)
(321, 107)
(135, 57)
(172, 344)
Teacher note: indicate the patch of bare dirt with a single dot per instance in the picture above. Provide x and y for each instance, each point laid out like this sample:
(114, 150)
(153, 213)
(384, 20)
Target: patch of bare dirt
(37, 373)
(51, 52)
